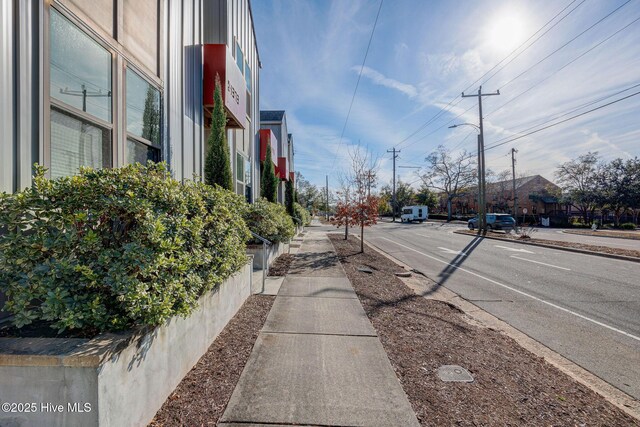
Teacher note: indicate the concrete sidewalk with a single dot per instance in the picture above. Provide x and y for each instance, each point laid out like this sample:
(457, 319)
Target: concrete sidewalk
(318, 360)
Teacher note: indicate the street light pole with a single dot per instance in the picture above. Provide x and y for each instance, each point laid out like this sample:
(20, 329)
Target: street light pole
(393, 197)
(481, 179)
(481, 216)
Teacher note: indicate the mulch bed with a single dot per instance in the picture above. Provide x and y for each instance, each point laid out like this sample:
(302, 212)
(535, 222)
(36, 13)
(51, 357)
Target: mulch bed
(633, 235)
(203, 394)
(593, 248)
(512, 386)
(280, 265)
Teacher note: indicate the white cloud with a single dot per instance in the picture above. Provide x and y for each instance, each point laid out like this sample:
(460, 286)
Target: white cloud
(380, 79)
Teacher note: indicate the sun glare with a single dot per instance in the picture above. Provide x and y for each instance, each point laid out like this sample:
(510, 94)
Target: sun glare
(506, 30)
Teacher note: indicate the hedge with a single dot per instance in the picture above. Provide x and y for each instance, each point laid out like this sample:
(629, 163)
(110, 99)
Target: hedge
(269, 220)
(110, 249)
(302, 214)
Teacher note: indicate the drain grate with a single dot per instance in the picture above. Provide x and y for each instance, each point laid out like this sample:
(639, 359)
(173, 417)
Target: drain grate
(454, 373)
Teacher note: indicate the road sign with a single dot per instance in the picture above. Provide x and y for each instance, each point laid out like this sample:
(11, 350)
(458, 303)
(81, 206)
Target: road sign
(524, 210)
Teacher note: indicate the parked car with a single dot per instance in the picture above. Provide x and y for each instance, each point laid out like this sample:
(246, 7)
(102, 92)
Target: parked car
(495, 221)
(414, 213)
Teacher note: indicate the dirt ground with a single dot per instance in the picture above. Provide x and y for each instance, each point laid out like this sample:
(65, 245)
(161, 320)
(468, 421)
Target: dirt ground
(633, 235)
(511, 387)
(203, 394)
(280, 265)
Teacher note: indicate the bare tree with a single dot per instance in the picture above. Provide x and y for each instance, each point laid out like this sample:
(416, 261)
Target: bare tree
(355, 205)
(499, 187)
(449, 173)
(364, 170)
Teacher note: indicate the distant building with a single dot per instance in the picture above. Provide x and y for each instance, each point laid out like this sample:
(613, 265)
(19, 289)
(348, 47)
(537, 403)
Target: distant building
(273, 125)
(535, 193)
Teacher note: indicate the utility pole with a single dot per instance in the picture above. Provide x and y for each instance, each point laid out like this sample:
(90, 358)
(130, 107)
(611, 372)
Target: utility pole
(327, 194)
(482, 223)
(515, 196)
(393, 197)
(84, 93)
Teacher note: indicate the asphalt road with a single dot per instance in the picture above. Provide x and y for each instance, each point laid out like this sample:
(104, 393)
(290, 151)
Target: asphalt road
(585, 307)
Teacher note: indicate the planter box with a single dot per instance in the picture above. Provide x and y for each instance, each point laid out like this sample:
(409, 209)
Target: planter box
(113, 379)
(273, 252)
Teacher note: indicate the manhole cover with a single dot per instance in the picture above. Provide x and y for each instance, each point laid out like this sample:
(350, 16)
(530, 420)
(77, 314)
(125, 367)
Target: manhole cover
(454, 373)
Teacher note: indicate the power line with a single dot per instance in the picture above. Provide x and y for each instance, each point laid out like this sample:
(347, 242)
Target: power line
(441, 126)
(562, 121)
(449, 105)
(344, 127)
(565, 45)
(534, 42)
(572, 110)
(564, 66)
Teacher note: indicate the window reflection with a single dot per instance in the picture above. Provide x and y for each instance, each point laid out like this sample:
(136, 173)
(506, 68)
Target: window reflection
(80, 69)
(143, 108)
(139, 152)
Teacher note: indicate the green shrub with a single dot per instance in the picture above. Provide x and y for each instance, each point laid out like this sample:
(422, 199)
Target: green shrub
(269, 220)
(301, 213)
(628, 226)
(114, 248)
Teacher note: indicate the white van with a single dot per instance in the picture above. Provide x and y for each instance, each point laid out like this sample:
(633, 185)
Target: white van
(414, 213)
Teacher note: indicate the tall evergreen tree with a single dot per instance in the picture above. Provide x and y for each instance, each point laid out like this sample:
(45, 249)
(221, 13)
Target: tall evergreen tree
(288, 197)
(217, 167)
(269, 180)
(151, 116)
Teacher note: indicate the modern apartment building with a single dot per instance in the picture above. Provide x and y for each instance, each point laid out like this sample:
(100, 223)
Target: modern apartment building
(281, 141)
(103, 83)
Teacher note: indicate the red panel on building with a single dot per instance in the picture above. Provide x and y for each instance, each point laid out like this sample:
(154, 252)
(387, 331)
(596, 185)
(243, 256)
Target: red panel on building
(283, 168)
(217, 60)
(268, 137)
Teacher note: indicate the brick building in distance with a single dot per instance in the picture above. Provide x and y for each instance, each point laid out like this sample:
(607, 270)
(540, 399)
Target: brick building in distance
(535, 193)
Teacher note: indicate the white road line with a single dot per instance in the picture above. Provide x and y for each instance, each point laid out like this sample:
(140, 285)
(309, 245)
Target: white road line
(514, 250)
(451, 251)
(542, 263)
(566, 310)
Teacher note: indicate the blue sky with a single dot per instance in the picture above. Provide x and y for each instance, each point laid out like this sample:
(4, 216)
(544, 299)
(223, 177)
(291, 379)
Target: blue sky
(423, 54)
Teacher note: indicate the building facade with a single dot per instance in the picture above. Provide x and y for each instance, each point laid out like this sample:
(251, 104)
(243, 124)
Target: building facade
(535, 193)
(104, 83)
(275, 121)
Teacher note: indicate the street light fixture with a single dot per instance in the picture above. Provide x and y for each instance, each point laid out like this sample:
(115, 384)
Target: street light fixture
(482, 217)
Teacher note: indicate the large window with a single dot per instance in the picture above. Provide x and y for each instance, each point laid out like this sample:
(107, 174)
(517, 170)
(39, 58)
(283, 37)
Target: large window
(239, 58)
(247, 76)
(143, 119)
(77, 142)
(240, 167)
(80, 90)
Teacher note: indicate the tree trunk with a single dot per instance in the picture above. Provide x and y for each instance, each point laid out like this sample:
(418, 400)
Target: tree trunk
(448, 209)
(346, 231)
(361, 236)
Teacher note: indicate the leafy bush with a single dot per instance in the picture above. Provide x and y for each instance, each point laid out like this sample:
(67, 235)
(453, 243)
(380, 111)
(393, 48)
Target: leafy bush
(269, 220)
(302, 214)
(113, 248)
(628, 226)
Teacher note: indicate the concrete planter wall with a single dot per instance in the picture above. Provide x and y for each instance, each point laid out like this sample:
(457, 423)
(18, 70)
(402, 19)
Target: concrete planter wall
(115, 379)
(273, 252)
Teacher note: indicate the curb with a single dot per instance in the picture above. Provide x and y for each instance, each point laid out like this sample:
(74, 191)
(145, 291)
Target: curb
(560, 248)
(482, 318)
(595, 235)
